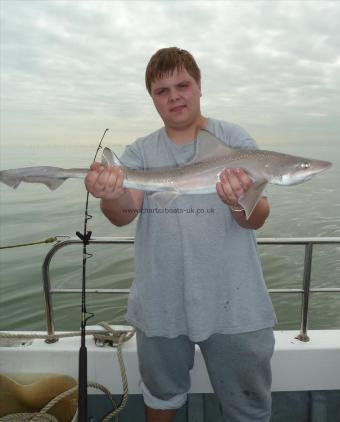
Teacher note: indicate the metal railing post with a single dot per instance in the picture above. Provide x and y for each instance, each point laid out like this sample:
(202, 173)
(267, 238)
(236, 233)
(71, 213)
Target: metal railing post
(46, 277)
(307, 270)
(47, 288)
(48, 298)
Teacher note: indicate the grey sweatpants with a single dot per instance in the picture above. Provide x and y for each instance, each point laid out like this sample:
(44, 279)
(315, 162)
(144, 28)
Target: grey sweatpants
(238, 366)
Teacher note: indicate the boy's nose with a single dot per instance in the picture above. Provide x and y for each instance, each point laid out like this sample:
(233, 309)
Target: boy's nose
(174, 95)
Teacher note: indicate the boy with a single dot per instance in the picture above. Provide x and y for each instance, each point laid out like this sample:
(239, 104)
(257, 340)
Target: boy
(198, 275)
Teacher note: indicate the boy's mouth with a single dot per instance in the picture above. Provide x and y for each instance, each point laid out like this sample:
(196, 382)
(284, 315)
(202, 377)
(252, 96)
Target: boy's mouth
(177, 108)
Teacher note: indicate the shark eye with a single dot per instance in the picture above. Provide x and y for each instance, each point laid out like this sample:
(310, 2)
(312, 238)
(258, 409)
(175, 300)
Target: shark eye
(305, 165)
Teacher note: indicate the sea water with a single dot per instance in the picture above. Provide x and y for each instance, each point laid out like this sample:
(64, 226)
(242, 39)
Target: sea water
(32, 213)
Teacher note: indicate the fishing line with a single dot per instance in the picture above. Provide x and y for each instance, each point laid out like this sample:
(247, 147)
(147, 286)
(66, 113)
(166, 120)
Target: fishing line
(85, 316)
(38, 242)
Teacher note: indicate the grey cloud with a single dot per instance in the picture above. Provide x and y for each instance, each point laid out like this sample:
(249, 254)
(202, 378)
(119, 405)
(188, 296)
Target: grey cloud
(80, 65)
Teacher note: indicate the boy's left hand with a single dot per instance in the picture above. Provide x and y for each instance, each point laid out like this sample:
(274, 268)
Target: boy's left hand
(232, 186)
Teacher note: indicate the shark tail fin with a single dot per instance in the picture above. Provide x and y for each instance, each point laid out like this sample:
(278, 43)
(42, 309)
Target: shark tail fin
(9, 179)
(109, 158)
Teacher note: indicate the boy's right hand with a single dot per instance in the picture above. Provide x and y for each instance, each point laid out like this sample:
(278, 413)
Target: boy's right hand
(105, 182)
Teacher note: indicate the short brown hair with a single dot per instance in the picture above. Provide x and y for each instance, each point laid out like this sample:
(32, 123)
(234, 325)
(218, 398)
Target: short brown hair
(166, 60)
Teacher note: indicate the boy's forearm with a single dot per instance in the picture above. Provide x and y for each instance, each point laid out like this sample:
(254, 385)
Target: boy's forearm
(120, 211)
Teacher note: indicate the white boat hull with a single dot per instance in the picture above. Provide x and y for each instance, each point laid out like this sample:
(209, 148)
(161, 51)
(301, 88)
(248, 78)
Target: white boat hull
(296, 365)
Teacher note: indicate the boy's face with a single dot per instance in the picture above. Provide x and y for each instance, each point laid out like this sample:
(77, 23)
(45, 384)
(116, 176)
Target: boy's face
(177, 99)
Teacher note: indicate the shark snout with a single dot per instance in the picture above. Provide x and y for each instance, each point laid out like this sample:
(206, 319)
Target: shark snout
(318, 166)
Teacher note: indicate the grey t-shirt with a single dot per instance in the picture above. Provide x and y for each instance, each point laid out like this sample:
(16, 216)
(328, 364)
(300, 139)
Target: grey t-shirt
(197, 271)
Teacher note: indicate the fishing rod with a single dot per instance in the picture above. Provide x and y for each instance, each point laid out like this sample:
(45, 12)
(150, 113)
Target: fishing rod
(85, 316)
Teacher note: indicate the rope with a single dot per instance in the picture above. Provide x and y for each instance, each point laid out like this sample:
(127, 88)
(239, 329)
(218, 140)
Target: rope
(27, 417)
(110, 336)
(38, 242)
(46, 336)
(123, 338)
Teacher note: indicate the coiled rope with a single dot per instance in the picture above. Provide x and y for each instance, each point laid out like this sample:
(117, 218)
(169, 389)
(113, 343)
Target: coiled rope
(111, 336)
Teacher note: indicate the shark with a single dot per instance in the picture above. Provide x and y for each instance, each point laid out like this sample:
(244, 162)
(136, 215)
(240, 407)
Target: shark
(198, 176)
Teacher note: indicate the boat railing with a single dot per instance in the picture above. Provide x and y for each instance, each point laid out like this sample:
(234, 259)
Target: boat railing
(305, 290)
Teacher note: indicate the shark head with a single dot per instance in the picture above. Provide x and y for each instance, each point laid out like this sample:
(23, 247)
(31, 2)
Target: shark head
(301, 169)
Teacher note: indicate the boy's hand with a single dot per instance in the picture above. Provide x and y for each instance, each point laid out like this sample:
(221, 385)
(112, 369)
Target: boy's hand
(105, 182)
(233, 184)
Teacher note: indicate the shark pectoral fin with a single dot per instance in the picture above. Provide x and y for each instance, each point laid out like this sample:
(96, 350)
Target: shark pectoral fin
(252, 197)
(164, 199)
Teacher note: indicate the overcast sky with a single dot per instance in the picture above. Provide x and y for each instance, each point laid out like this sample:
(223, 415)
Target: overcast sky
(70, 69)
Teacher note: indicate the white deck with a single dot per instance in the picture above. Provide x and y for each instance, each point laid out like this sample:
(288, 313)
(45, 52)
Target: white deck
(297, 366)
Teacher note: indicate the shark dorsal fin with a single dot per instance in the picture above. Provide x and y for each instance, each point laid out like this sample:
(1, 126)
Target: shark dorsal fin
(208, 147)
(109, 158)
